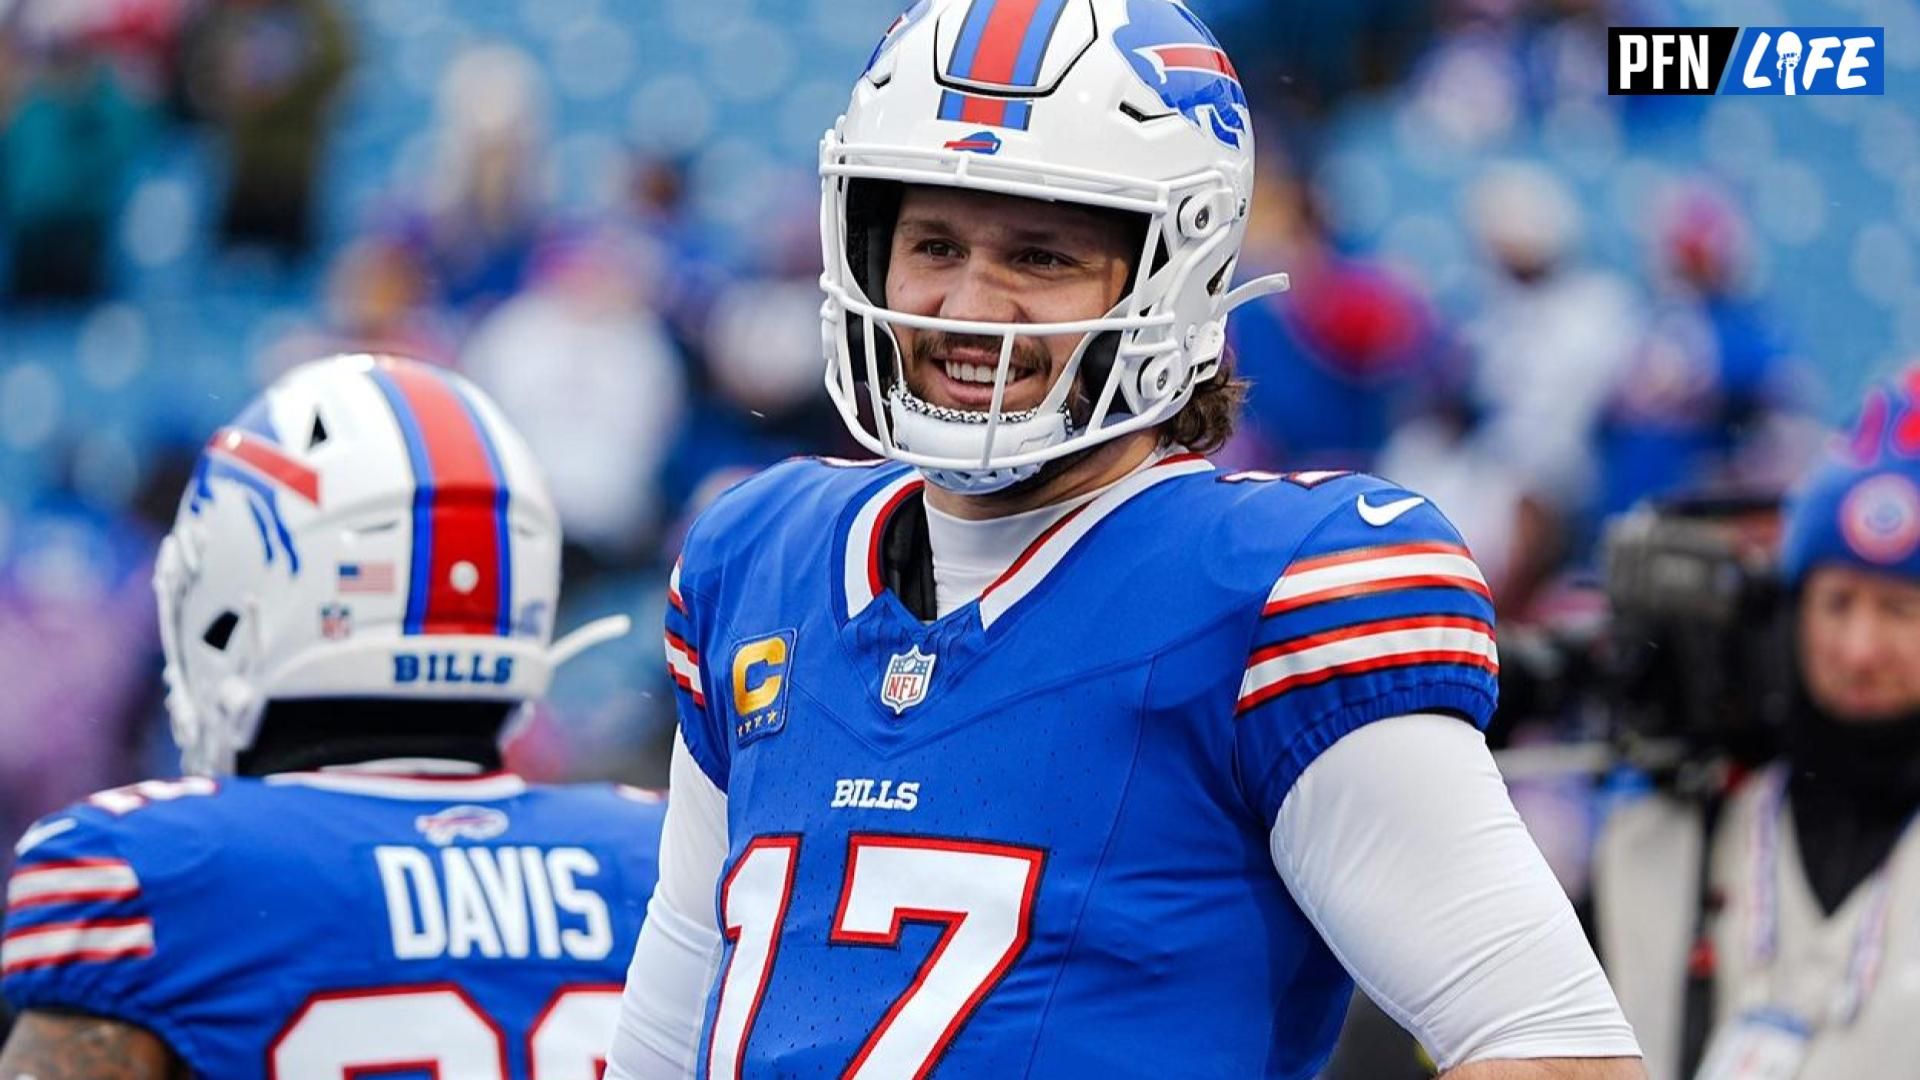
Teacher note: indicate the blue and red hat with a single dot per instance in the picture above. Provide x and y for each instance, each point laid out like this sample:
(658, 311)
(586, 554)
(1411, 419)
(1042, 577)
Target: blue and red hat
(1862, 507)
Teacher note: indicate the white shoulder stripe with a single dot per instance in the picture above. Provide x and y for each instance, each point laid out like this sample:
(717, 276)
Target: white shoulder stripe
(1444, 641)
(683, 665)
(62, 943)
(42, 833)
(680, 659)
(1388, 567)
(73, 881)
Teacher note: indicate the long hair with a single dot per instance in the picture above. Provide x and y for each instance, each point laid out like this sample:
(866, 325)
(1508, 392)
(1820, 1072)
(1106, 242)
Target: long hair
(1210, 415)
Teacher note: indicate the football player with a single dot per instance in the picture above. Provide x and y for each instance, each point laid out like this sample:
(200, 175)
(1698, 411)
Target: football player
(1041, 748)
(355, 601)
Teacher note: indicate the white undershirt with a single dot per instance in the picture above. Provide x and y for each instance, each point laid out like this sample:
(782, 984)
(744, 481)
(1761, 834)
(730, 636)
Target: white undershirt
(969, 555)
(1399, 843)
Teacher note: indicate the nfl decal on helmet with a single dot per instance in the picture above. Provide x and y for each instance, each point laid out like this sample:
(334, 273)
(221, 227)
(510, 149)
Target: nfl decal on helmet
(1123, 105)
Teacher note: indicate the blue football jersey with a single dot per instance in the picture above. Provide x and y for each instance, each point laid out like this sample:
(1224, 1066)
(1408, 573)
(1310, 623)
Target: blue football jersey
(1031, 837)
(319, 926)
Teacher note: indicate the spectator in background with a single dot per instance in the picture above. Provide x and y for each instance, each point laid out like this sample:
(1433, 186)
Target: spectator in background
(1549, 345)
(1334, 359)
(265, 72)
(378, 300)
(69, 134)
(759, 391)
(487, 196)
(763, 399)
(584, 369)
(691, 266)
(1712, 398)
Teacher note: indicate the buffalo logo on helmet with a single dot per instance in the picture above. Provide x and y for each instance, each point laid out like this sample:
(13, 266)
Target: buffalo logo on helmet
(980, 142)
(1880, 519)
(248, 454)
(1179, 59)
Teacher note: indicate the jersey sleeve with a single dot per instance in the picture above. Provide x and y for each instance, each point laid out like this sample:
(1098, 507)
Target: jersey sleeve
(81, 932)
(1379, 612)
(686, 654)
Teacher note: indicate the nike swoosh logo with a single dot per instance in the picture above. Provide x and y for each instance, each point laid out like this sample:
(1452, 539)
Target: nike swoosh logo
(1382, 516)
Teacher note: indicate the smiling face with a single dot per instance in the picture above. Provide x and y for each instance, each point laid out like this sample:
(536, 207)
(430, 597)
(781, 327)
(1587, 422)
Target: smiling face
(998, 258)
(1860, 643)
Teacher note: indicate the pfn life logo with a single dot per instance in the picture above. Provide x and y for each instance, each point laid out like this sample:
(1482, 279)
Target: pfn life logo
(1779, 60)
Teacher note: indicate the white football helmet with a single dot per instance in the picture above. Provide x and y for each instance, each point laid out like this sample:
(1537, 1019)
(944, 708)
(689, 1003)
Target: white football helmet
(369, 527)
(1123, 104)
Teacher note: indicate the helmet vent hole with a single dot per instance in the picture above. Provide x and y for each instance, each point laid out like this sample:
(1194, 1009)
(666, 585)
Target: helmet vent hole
(1137, 115)
(1219, 281)
(319, 433)
(220, 630)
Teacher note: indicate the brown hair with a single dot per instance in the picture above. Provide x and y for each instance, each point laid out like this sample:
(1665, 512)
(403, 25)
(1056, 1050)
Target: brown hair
(1207, 421)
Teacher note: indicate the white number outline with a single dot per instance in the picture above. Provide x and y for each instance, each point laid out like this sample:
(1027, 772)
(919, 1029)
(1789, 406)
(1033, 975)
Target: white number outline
(375, 1068)
(790, 843)
(569, 991)
(535, 1032)
(950, 919)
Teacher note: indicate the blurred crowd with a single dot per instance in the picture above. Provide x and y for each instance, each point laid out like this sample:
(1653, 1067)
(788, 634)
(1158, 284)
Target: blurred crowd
(1535, 303)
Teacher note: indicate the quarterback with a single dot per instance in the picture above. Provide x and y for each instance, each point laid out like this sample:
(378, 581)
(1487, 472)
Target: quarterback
(1038, 747)
(355, 600)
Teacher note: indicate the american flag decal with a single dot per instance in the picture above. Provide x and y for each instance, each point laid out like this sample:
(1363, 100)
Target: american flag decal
(368, 577)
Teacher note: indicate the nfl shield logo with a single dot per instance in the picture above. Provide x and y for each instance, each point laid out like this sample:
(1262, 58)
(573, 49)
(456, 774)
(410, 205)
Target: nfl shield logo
(336, 622)
(906, 681)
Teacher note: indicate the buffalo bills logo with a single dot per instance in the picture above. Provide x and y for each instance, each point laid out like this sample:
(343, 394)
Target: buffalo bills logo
(1179, 60)
(980, 142)
(249, 456)
(1880, 519)
(461, 823)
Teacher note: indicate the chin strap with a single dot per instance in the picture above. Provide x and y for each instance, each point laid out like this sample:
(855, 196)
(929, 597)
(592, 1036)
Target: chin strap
(598, 632)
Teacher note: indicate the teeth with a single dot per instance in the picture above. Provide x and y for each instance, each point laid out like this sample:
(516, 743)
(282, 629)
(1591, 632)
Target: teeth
(981, 374)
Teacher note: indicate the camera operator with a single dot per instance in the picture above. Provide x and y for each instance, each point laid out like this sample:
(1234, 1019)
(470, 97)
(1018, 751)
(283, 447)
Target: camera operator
(1787, 947)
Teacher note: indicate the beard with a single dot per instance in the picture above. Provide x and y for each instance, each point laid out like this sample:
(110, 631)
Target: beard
(1027, 355)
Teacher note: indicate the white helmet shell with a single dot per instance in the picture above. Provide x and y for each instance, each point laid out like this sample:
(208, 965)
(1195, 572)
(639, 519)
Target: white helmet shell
(369, 527)
(1123, 104)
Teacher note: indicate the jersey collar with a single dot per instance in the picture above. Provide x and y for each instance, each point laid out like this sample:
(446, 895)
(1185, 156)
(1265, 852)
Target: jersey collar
(860, 569)
(407, 779)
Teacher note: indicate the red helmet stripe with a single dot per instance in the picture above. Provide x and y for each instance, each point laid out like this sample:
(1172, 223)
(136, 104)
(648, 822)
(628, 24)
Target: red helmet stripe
(459, 509)
(268, 460)
(1000, 43)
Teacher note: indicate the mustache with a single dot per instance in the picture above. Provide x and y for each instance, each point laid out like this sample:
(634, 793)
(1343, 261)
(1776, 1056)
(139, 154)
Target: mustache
(1028, 355)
